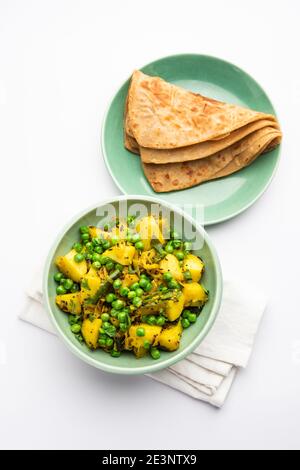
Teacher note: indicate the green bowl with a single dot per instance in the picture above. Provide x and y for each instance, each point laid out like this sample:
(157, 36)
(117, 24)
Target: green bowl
(223, 198)
(127, 363)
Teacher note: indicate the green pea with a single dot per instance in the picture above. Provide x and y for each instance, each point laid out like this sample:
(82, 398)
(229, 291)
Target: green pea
(118, 304)
(110, 266)
(117, 284)
(75, 328)
(187, 246)
(147, 344)
(123, 327)
(148, 287)
(74, 288)
(164, 289)
(174, 235)
(109, 342)
(89, 246)
(140, 331)
(173, 284)
(96, 265)
(122, 317)
(144, 276)
(124, 291)
(187, 276)
(105, 317)
(139, 292)
(151, 320)
(130, 219)
(106, 244)
(110, 298)
(58, 277)
(97, 249)
(72, 319)
(139, 246)
(114, 241)
(84, 229)
(85, 237)
(155, 354)
(96, 241)
(134, 286)
(119, 267)
(77, 247)
(131, 294)
(106, 227)
(185, 323)
(106, 325)
(169, 248)
(68, 284)
(111, 330)
(186, 313)
(60, 290)
(115, 353)
(161, 321)
(137, 301)
(143, 282)
(192, 317)
(180, 255)
(96, 257)
(104, 260)
(135, 238)
(177, 244)
(144, 318)
(102, 342)
(78, 258)
(114, 313)
(168, 277)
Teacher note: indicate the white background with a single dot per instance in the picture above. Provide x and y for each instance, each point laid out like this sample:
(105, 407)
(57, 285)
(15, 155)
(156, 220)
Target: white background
(60, 63)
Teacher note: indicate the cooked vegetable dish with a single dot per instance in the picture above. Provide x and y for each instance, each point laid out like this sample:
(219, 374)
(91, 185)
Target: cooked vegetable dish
(126, 287)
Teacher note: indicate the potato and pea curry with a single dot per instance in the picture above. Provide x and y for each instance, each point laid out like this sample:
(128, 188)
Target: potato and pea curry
(125, 287)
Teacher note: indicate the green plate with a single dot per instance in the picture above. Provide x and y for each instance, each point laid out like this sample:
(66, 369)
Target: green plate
(221, 199)
(127, 363)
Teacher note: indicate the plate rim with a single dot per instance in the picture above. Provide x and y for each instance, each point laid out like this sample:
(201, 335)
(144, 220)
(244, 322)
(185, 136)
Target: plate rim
(217, 220)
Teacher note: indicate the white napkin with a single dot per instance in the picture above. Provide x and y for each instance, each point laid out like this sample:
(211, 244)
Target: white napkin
(208, 373)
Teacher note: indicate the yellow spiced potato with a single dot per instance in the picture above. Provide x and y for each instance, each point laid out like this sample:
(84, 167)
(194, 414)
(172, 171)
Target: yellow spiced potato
(130, 279)
(195, 295)
(70, 303)
(128, 290)
(170, 337)
(68, 266)
(121, 254)
(174, 307)
(194, 265)
(137, 343)
(90, 285)
(149, 229)
(90, 331)
(170, 264)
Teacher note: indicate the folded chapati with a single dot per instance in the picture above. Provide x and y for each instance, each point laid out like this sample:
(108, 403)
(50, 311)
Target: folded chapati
(165, 116)
(176, 176)
(185, 139)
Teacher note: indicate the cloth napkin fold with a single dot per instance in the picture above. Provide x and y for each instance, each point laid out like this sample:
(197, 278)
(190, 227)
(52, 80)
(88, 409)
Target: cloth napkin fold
(208, 373)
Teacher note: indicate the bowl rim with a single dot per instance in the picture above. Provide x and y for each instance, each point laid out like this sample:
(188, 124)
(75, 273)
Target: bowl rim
(119, 185)
(155, 366)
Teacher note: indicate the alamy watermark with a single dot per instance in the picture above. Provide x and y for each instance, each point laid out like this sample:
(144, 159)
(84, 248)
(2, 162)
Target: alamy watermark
(170, 220)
